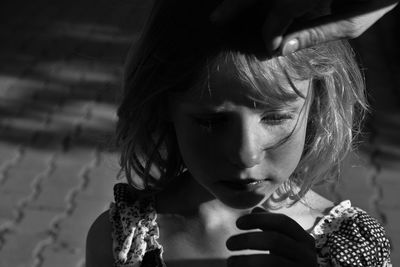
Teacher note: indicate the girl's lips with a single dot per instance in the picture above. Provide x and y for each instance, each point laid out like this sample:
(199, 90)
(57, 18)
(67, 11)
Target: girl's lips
(246, 184)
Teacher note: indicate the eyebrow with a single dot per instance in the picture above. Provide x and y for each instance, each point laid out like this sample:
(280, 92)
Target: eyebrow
(204, 109)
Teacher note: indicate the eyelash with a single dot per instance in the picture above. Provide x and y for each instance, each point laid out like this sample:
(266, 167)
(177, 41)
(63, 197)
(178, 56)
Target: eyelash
(277, 119)
(270, 120)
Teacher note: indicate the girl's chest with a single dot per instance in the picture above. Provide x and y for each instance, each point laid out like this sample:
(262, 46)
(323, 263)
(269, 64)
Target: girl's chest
(189, 244)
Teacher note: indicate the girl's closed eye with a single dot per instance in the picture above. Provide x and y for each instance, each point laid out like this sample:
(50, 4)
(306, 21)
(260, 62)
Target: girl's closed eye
(212, 122)
(273, 119)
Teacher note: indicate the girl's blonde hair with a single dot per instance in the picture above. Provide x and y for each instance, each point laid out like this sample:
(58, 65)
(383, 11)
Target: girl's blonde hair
(180, 46)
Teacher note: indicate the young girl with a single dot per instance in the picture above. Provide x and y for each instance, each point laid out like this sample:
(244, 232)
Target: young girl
(221, 145)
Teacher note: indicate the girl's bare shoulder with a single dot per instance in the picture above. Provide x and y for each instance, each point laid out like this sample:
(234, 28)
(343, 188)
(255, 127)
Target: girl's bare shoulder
(99, 242)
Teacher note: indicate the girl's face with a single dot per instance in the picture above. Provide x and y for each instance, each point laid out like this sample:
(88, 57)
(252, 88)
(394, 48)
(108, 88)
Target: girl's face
(229, 142)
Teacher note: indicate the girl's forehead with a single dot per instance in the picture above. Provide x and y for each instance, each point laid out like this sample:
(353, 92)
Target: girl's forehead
(223, 83)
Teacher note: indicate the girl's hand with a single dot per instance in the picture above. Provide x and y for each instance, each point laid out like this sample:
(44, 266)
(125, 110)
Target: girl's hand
(284, 241)
(282, 30)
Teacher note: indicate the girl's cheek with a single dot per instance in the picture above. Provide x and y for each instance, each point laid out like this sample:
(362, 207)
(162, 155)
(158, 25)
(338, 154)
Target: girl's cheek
(194, 142)
(289, 153)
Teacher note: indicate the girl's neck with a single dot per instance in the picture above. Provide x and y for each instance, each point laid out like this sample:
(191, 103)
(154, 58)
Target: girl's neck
(183, 196)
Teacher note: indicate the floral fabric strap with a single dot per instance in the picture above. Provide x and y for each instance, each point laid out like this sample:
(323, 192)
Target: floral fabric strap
(134, 230)
(348, 236)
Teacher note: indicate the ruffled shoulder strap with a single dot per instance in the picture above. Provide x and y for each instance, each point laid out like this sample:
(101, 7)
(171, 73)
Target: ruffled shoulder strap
(134, 230)
(348, 236)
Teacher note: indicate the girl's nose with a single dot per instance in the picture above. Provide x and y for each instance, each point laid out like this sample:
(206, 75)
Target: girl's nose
(246, 146)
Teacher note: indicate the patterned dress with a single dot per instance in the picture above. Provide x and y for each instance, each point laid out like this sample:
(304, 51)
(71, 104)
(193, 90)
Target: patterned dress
(346, 237)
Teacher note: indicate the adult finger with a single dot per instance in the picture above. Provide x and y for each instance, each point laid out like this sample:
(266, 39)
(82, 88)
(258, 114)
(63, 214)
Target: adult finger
(275, 243)
(274, 26)
(334, 27)
(259, 260)
(280, 16)
(230, 9)
(275, 222)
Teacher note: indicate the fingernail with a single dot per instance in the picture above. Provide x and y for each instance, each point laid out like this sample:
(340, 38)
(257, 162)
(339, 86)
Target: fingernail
(276, 42)
(273, 45)
(290, 47)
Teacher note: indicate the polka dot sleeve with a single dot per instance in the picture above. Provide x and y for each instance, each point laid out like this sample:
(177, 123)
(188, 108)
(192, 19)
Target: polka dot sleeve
(134, 230)
(349, 237)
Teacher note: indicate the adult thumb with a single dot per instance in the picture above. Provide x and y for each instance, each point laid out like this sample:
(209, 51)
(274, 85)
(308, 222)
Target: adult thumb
(314, 35)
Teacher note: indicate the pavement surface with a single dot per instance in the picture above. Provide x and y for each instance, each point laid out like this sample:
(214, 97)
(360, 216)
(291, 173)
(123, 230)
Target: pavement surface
(60, 67)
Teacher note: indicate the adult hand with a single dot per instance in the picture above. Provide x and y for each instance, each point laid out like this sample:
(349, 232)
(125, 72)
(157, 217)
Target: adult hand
(286, 243)
(287, 29)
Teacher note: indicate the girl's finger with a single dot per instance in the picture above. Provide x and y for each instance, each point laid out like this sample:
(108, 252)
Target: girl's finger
(278, 223)
(259, 260)
(230, 9)
(258, 210)
(276, 243)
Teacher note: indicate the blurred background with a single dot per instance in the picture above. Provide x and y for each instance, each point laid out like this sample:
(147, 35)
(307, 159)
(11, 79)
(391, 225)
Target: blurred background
(60, 71)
